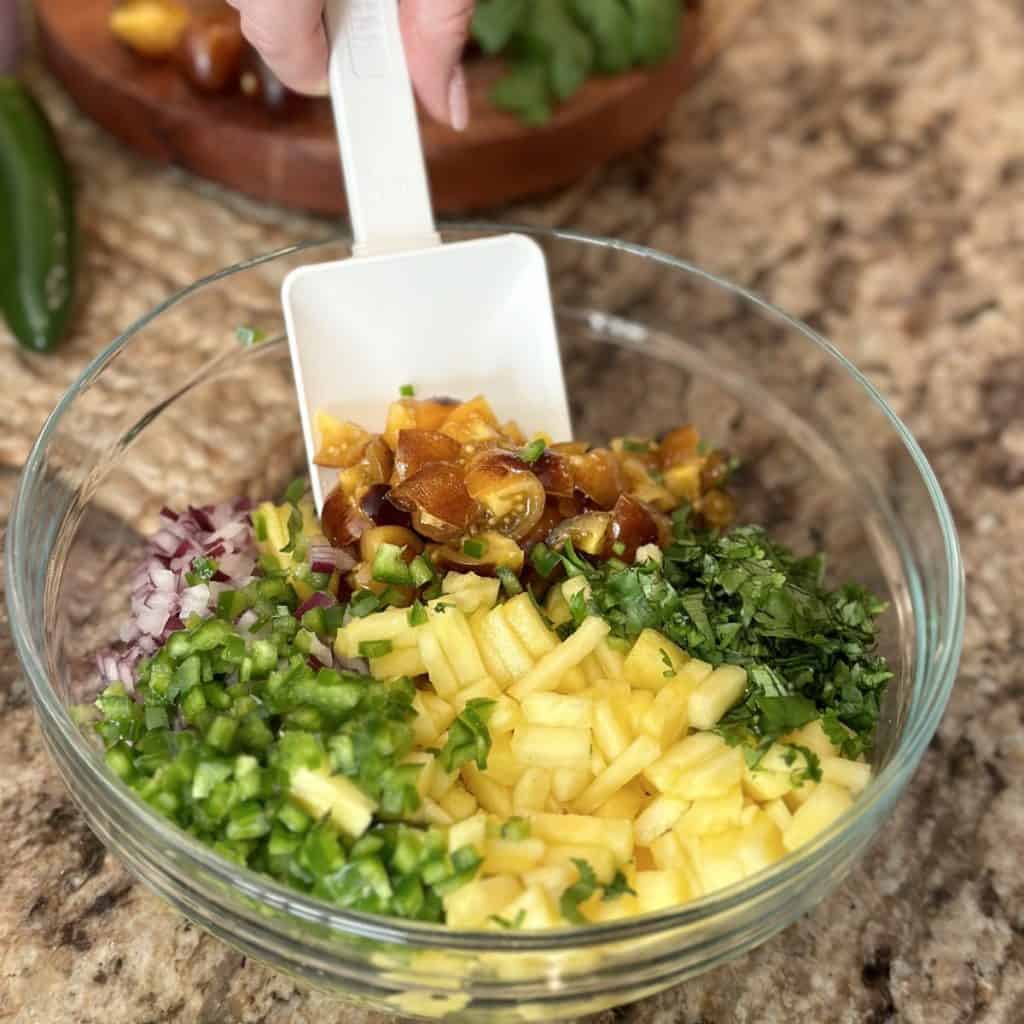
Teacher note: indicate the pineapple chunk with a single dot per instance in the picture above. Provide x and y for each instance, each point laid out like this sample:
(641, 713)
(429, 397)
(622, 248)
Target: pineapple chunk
(667, 717)
(814, 737)
(762, 785)
(558, 709)
(657, 818)
(721, 865)
(547, 746)
(485, 687)
(638, 704)
(715, 695)
(600, 911)
(611, 661)
(503, 765)
(713, 814)
(347, 806)
(459, 803)
(496, 633)
(598, 857)
(434, 814)
(533, 910)
(684, 755)
(492, 661)
(439, 781)
(452, 630)
(760, 844)
(493, 796)
(405, 661)
(482, 591)
(424, 728)
(505, 716)
(568, 783)
(525, 620)
(554, 879)
(556, 607)
(442, 676)
(825, 804)
(851, 775)
(641, 753)
(512, 857)
(713, 777)
(591, 669)
(440, 711)
(547, 673)
(656, 890)
(532, 790)
(614, 835)
(667, 851)
(473, 903)
(611, 731)
(597, 762)
(627, 803)
(647, 664)
(779, 813)
(386, 625)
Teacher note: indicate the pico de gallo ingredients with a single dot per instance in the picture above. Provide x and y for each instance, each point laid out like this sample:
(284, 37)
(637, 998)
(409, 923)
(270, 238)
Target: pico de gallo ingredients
(503, 683)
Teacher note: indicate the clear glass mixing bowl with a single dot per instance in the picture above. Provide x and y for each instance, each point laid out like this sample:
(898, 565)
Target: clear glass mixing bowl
(175, 411)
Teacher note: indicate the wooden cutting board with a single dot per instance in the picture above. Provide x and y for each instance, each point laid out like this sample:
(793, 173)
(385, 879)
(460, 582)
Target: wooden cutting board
(293, 159)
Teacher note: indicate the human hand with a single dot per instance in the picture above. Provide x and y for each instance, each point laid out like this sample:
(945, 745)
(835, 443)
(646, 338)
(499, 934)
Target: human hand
(290, 37)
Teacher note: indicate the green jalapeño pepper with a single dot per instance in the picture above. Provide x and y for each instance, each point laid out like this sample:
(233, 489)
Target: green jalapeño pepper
(37, 223)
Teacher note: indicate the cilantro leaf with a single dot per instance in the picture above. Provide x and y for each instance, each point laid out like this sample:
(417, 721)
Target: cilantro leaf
(579, 892)
(468, 737)
(516, 922)
(616, 888)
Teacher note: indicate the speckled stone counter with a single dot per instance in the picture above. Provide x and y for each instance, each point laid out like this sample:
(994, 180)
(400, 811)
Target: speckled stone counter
(863, 166)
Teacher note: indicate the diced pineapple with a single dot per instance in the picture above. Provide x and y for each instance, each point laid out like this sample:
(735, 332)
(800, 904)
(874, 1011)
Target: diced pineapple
(667, 851)
(611, 661)
(512, 857)
(554, 879)
(505, 716)
(657, 818)
(558, 709)
(614, 835)
(641, 753)
(493, 796)
(442, 676)
(556, 607)
(799, 794)
(568, 783)
(656, 890)
(825, 804)
(627, 803)
(760, 844)
(638, 705)
(496, 669)
(482, 590)
(601, 911)
(721, 865)
(763, 785)
(591, 669)
(611, 729)
(713, 814)
(715, 695)
(531, 791)
(439, 781)
(814, 737)
(714, 777)
(597, 762)
(501, 638)
(405, 661)
(653, 661)
(442, 713)
(483, 688)
(547, 746)
(473, 903)
(502, 764)
(851, 775)
(684, 755)
(471, 832)
(433, 813)
(547, 673)
(428, 766)
(452, 630)
(692, 862)
(779, 813)
(749, 814)
(385, 625)
(598, 857)
(667, 719)
(334, 795)
(424, 728)
(525, 620)
(459, 803)
(534, 909)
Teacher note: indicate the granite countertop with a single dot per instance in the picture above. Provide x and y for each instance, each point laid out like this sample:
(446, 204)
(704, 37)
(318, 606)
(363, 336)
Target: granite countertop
(863, 166)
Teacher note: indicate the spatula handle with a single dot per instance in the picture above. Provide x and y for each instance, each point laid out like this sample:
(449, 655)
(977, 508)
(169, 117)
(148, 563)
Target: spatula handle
(375, 114)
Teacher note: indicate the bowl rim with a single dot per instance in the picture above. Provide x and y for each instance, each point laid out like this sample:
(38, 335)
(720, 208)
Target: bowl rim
(873, 804)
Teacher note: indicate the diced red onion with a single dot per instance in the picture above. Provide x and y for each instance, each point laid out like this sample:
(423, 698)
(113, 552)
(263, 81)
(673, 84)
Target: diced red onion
(324, 558)
(318, 599)
(319, 650)
(247, 620)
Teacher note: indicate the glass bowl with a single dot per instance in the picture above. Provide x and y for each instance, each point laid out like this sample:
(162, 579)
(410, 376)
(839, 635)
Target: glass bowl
(177, 411)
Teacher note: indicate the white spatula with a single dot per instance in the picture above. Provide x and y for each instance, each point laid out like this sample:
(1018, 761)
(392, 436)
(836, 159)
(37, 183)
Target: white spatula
(454, 320)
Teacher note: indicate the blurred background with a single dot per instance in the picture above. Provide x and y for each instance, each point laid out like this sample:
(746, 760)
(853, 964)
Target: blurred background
(859, 165)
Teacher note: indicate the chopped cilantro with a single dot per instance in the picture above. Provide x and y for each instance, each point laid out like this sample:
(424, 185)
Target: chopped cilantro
(294, 529)
(544, 559)
(407, 391)
(533, 451)
(417, 614)
(579, 892)
(203, 570)
(469, 738)
(441, 607)
(670, 669)
(504, 922)
(616, 888)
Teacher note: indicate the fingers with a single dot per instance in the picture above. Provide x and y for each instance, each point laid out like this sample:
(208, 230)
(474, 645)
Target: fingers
(435, 33)
(289, 35)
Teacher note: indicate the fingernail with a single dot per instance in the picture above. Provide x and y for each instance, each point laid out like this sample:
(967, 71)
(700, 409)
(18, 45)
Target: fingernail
(319, 88)
(458, 100)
